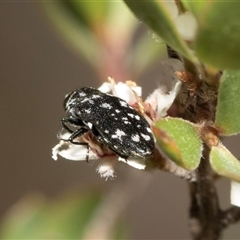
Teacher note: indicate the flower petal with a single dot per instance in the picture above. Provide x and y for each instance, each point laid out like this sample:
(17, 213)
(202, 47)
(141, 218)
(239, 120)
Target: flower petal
(235, 193)
(161, 101)
(106, 87)
(73, 152)
(133, 162)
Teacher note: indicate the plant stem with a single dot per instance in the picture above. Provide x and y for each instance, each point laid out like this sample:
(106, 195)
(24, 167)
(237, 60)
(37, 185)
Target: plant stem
(207, 220)
(204, 210)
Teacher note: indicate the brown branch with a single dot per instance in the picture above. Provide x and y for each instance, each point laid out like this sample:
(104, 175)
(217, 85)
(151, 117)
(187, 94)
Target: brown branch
(204, 210)
(230, 216)
(197, 103)
(207, 220)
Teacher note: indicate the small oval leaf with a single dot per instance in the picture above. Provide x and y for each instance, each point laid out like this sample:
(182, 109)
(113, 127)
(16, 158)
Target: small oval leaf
(180, 141)
(228, 107)
(224, 163)
(168, 145)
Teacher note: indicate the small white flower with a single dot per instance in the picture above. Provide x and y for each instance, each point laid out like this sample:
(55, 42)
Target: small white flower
(71, 151)
(158, 102)
(128, 91)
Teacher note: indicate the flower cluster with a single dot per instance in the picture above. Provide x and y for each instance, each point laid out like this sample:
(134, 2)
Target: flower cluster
(155, 107)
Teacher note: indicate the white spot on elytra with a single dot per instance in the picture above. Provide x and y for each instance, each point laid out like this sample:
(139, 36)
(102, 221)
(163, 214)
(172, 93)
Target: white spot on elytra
(127, 122)
(137, 117)
(106, 105)
(124, 104)
(131, 115)
(89, 125)
(135, 138)
(106, 131)
(117, 111)
(95, 96)
(87, 110)
(146, 137)
(118, 134)
(149, 130)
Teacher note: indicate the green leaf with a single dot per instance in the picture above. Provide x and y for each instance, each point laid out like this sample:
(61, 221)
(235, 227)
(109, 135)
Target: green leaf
(180, 141)
(93, 27)
(155, 15)
(168, 145)
(228, 106)
(74, 29)
(67, 217)
(144, 53)
(195, 7)
(91, 12)
(224, 163)
(217, 39)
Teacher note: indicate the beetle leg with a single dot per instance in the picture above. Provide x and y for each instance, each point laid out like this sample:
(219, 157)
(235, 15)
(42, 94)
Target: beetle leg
(72, 122)
(77, 133)
(66, 122)
(74, 133)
